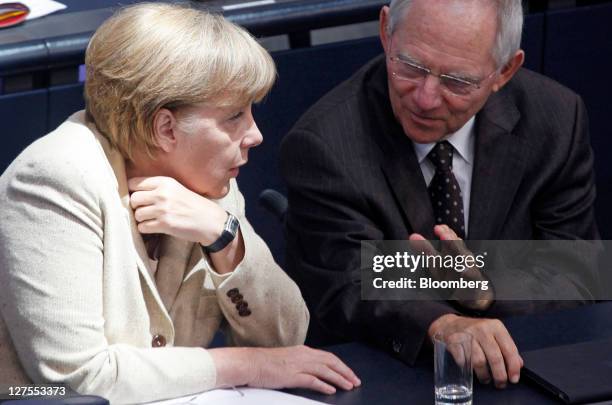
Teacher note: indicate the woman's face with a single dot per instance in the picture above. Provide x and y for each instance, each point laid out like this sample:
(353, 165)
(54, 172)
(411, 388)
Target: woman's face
(211, 144)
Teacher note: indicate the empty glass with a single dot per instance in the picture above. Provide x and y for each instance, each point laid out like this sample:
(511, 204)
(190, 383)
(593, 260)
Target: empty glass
(453, 369)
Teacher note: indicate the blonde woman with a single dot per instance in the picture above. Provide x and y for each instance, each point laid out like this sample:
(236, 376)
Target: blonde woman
(123, 241)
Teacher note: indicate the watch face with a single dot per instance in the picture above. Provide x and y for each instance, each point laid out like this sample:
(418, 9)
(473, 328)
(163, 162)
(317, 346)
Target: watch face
(231, 225)
(230, 229)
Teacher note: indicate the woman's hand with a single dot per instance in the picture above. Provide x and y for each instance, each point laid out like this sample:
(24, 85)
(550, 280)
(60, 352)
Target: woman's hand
(283, 367)
(163, 205)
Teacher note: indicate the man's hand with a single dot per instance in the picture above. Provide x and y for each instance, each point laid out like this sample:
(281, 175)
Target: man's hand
(479, 300)
(494, 353)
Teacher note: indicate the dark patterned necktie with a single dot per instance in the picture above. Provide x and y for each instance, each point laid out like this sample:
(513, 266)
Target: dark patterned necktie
(444, 191)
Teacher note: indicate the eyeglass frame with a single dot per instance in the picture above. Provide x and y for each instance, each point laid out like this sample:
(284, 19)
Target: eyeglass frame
(425, 71)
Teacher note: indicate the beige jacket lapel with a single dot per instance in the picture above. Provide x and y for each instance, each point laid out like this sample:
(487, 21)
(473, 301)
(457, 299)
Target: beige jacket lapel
(179, 261)
(180, 280)
(180, 273)
(117, 164)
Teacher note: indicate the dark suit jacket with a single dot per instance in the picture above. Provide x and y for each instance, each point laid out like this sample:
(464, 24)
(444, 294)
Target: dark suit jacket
(353, 175)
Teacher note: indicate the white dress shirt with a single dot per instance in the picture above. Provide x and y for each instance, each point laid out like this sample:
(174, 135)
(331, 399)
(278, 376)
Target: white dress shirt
(463, 162)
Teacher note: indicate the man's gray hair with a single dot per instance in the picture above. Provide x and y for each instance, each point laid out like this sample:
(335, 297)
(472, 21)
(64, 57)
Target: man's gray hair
(509, 26)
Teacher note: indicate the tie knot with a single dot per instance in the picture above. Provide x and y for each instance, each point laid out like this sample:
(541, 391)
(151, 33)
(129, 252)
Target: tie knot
(442, 156)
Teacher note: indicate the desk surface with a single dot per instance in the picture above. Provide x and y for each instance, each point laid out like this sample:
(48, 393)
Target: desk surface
(387, 381)
(85, 16)
(61, 38)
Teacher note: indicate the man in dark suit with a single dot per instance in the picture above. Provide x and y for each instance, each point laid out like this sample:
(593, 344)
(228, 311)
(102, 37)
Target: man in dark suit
(446, 108)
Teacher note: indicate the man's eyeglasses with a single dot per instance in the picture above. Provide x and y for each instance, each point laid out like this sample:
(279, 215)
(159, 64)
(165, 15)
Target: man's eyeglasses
(407, 70)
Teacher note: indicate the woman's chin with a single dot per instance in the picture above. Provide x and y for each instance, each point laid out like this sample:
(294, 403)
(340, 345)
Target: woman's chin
(218, 192)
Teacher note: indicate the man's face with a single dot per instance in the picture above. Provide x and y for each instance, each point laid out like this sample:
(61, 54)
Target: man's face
(449, 38)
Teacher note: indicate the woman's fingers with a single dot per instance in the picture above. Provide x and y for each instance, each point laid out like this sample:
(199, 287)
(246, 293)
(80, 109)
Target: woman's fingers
(329, 375)
(342, 369)
(143, 198)
(311, 382)
(145, 183)
(150, 226)
(302, 367)
(146, 213)
(333, 362)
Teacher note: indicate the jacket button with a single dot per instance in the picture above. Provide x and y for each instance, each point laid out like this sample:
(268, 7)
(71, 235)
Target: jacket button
(231, 293)
(244, 312)
(236, 298)
(397, 346)
(158, 341)
(242, 305)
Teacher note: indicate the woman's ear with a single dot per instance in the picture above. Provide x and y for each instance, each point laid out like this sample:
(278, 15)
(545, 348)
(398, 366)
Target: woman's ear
(164, 129)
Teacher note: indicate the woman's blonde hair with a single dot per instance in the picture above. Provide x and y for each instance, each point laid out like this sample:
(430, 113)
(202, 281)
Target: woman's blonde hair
(151, 56)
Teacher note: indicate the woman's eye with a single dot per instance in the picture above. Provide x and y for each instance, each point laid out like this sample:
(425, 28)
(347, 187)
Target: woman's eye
(236, 116)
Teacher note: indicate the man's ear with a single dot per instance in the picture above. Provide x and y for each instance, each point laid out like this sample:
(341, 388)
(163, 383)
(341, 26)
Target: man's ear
(164, 129)
(509, 70)
(383, 23)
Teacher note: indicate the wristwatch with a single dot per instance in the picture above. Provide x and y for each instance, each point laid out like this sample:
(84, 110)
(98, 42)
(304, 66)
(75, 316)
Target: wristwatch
(230, 229)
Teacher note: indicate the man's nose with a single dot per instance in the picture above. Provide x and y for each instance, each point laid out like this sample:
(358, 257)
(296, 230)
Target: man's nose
(427, 95)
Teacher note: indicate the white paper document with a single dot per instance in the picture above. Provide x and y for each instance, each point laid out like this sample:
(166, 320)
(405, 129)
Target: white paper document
(239, 396)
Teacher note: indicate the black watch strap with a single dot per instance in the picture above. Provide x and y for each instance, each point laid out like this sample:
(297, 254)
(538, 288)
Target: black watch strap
(230, 229)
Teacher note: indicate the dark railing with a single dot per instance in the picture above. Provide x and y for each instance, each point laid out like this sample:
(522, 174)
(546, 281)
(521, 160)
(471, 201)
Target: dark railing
(44, 48)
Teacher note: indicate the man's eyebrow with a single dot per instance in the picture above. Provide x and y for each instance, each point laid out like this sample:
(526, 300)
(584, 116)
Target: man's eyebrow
(453, 74)
(462, 76)
(408, 58)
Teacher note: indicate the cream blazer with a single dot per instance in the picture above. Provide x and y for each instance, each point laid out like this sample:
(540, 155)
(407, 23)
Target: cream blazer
(78, 301)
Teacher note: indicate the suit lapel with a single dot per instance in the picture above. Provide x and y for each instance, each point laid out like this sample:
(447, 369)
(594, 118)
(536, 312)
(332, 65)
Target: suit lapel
(405, 179)
(498, 167)
(398, 160)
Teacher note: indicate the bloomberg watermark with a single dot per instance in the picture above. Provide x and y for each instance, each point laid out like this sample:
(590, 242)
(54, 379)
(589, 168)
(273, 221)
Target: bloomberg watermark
(505, 270)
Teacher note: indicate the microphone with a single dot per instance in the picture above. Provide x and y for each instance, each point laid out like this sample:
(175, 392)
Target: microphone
(274, 202)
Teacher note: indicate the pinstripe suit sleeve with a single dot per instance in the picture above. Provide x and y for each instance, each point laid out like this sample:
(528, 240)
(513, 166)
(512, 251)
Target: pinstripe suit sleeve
(327, 220)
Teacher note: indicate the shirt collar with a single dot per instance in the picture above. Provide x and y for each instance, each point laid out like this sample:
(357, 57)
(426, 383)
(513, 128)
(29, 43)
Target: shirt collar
(461, 141)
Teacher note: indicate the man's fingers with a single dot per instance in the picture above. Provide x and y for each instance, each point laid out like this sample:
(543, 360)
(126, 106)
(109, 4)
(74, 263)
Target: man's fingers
(511, 355)
(416, 236)
(419, 244)
(479, 363)
(457, 352)
(450, 242)
(444, 232)
(495, 359)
